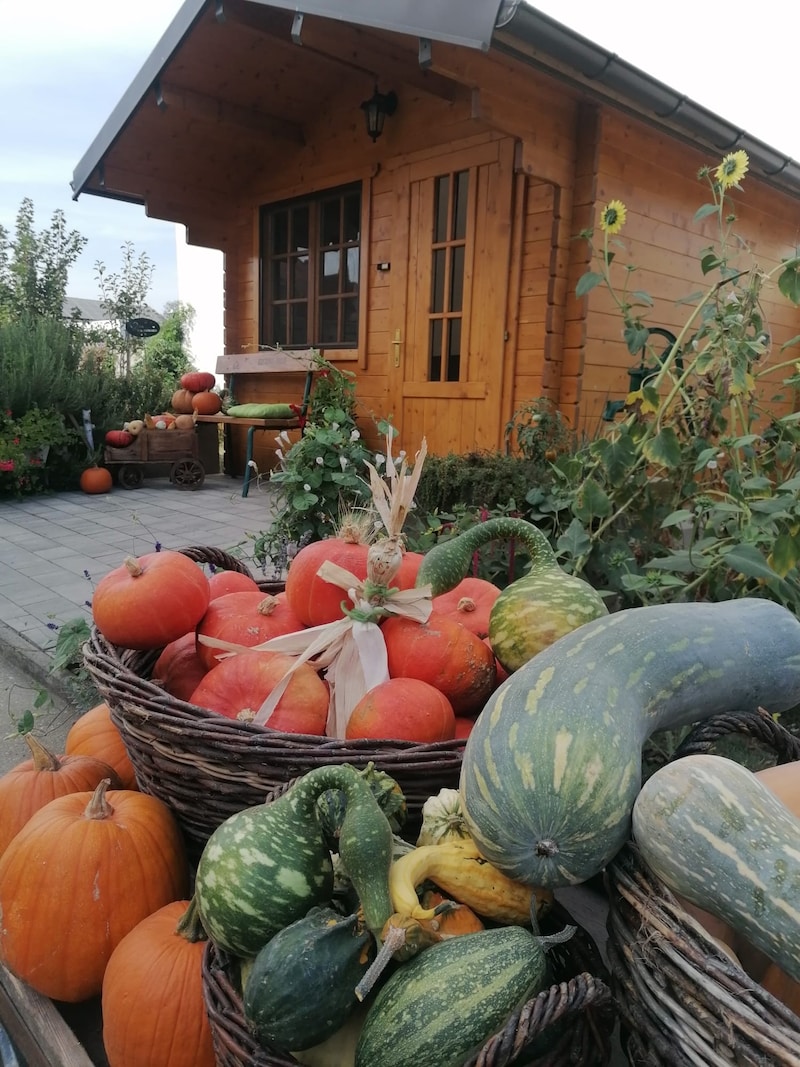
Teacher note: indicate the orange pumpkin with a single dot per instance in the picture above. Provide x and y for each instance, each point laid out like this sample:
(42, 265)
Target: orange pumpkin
(179, 668)
(469, 603)
(183, 422)
(147, 602)
(82, 872)
(244, 619)
(402, 709)
(143, 1027)
(443, 653)
(119, 438)
(196, 381)
(96, 480)
(452, 921)
(313, 600)
(222, 582)
(238, 686)
(207, 403)
(94, 734)
(182, 401)
(35, 782)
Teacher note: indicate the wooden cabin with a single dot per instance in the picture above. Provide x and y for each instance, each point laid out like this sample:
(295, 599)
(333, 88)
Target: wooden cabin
(437, 258)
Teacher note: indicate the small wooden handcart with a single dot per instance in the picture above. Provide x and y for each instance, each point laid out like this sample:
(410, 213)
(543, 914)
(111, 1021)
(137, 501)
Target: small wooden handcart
(179, 448)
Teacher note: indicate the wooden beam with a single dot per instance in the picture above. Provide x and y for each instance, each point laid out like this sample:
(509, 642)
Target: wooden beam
(36, 1026)
(211, 109)
(348, 46)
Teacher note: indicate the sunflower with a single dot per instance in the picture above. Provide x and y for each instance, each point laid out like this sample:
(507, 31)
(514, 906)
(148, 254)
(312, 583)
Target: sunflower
(732, 169)
(612, 217)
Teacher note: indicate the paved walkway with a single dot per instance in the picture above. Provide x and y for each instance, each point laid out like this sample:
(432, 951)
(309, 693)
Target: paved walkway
(54, 549)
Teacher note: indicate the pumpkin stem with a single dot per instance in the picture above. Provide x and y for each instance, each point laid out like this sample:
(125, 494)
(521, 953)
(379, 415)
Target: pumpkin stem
(395, 939)
(189, 924)
(43, 758)
(267, 605)
(98, 807)
(467, 604)
(133, 566)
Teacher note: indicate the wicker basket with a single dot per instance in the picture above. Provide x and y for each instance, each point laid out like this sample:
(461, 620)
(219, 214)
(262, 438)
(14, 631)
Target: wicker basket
(573, 1019)
(682, 1001)
(207, 767)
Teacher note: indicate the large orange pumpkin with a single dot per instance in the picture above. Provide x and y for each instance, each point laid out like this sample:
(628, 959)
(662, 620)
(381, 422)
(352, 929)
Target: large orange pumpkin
(238, 686)
(443, 653)
(179, 668)
(245, 619)
(35, 782)
(313, 600)
(82, 872)
(198, 380)
(94, 734)
(153, 1009)
(222, 582)
(150, 601)
(207, 403)
(470, 603)
(403, 709)
(96, 480)
(181, 402)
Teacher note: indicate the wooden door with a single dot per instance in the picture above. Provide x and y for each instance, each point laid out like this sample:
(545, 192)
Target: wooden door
(448, 324)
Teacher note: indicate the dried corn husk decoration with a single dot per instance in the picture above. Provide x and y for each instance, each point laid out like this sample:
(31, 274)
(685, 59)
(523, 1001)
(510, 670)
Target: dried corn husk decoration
(351, 650)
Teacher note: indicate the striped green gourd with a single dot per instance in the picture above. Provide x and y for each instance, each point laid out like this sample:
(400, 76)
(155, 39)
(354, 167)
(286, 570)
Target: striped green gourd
(266, 866)
(714, 833)
(531, 612)
(444, 1003)
(554, 762)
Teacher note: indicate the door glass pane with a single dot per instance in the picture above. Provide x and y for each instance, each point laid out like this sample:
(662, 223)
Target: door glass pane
(453, 350)
(328, 321)
(435, 351)
(352, 218)
(329, 273)
(279, 280)
(457, 279)
(280, 233)
(299, 277)
(300, 238)
(330, 223)
(460, 210)
(441, 202)
(439, 261)
(299, 314)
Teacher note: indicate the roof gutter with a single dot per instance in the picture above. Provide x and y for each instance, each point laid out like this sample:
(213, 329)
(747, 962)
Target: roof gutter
(538, 40)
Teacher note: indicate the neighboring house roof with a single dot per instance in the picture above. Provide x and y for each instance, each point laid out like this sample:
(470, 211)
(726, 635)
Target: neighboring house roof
(93, 310)
(511, 26)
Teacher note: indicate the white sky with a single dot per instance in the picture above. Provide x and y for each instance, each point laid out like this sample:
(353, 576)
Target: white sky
(64, 67)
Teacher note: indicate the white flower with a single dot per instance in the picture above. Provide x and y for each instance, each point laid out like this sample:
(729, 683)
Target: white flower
(343, 461)
(278, 441)
(319, 461)
(307, 487)
(401, 455)
(334, 425)
(279, 453)
(285, 437)
(354, 435)
(380, 459)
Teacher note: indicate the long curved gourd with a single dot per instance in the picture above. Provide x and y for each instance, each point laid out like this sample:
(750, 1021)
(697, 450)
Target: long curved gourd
(553, 764)
(711, 831)
(530, 613)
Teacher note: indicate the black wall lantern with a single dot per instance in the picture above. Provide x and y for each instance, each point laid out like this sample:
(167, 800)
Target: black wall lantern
(376, 109)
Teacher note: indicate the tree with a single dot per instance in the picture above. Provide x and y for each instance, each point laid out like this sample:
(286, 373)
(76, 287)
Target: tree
(34, 267)
(168, 352)
(123, 296)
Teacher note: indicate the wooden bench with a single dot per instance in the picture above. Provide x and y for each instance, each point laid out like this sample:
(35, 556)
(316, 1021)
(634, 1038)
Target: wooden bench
(280, 361)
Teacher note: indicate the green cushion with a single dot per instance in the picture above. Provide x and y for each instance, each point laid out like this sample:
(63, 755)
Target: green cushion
(261, 411)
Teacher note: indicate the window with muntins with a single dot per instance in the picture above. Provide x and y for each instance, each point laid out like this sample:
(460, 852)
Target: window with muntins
(310, 265)
(448, 251)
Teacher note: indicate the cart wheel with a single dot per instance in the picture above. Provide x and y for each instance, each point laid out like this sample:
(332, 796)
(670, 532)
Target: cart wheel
(130, 476)
(187, 474)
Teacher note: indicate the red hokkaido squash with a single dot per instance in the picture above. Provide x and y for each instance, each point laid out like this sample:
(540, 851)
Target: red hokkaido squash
(207, 403)
(403, 709)
(179, 668)
(313, 600)
(196, 381)
(35, 782)
(244, 619)
(469, 603)
(143, 1027)
(238, 686)
(82, 872)
(443, 653)
(406, 577)
(95, 734)
(222, 582)
(119, 438)
(148, 602)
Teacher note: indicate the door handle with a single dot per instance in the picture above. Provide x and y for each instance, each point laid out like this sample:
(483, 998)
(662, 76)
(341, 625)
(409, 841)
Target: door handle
(397, 344)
